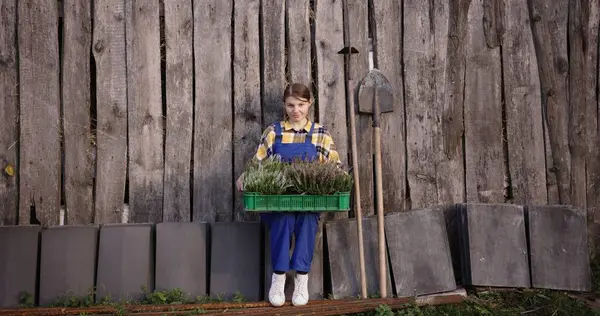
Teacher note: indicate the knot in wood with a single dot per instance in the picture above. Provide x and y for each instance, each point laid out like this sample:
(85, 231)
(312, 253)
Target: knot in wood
(99, 46)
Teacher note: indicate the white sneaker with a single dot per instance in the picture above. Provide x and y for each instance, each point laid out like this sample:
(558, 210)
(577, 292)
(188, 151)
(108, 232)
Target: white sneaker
(300, 296)
(277, 290)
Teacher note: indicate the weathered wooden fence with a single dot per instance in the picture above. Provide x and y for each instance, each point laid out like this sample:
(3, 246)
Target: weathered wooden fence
(159, 105)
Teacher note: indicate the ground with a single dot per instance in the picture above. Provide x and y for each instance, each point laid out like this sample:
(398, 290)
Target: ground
(512, 302)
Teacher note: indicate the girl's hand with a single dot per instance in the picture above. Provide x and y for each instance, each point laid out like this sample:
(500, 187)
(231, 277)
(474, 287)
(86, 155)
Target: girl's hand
(240, 183)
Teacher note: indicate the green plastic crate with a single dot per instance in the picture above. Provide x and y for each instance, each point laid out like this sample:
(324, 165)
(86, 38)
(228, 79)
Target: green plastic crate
(256, 202)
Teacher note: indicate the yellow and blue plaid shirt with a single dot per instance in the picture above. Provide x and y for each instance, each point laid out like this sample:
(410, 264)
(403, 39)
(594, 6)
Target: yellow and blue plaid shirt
(320, 138)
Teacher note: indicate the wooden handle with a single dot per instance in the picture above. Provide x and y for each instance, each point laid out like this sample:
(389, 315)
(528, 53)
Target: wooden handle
(361, 253)
(380, 218)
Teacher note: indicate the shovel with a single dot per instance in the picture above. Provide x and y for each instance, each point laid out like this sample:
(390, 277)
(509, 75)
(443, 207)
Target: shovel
(375, 96)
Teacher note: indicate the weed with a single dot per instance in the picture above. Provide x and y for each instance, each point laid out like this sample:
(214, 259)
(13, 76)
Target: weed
(238, 297)
(175, 296)
(26, 299)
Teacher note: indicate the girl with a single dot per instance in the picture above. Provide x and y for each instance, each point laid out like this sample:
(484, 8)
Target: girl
(295, 137)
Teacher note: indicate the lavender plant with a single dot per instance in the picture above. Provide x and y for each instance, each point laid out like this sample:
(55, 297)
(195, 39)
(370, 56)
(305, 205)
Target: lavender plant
(318, 178)
(266, 177)
(271, 176)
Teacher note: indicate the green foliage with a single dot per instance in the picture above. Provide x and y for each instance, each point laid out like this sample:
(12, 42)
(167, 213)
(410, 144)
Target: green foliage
(71, 300)
(267, 177)
(318, 178)
(509, 303)
(175, 296)
(274, 177)
(26, 299)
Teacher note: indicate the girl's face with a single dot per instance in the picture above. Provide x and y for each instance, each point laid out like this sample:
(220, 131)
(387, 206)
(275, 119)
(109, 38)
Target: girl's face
(296, 109)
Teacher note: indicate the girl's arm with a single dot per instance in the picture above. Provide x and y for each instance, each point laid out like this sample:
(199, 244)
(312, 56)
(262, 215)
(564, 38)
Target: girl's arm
(329, 152)
(267, 139)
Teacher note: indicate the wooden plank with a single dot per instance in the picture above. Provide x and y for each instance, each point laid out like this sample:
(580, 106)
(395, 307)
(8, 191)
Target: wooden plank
(483, 112)
(78, 177)
(591, 126)
(213, 174)
(111, 109)
(19, 263)
(235, 260)
(145, 121)
(9, 110)
(342, 255)
(67, 261)
(179, 27)
(246, 99)
(550, 22)
(496, 245)
(420, 92)
(419, 252)
(125, 262)
(299, 41)
(40, 152)
(582, 34)
(358, 25)
(450, 19)
(331, 99)
(190, 256)
(273, 60)
(526, 153)
(560, 257)
(387, 53)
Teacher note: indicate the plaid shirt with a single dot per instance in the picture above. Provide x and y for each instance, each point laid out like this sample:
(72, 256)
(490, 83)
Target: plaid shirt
(320, 138)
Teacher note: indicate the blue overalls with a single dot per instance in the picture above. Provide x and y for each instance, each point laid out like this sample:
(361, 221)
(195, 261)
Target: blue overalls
(282, 226)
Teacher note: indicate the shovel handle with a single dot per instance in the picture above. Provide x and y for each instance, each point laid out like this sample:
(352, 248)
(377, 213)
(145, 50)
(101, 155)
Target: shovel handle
(379, 191)
(359, 222)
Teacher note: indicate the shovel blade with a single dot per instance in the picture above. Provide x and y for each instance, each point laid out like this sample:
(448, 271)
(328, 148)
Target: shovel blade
(375, 81)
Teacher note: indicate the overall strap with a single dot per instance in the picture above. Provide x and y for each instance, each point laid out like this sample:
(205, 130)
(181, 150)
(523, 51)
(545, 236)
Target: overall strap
(278, 132)
(308, 139)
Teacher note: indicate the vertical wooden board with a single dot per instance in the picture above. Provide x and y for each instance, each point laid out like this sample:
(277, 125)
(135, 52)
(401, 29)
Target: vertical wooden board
(550, 23)
(179, 26)
(125, 262)
(272, 60)
(246, 96)
(526, 153)
(591, 125)
(67, 263)
(184, 266)
(111, 109)
(582, 33)
(496, 245)
(329, 38)
(560, 257)
(420, 94)
(450, 20)
(235, 260)
(388, 54)
(483, 113)
(342, 252)
(358, 25)
(19, 263)
(419, 252)
(299, 41)
(9, 110)
(213, 170)
(78, 177)
(144, 113)
(331, 99)
(298, 45)
(39, 152)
